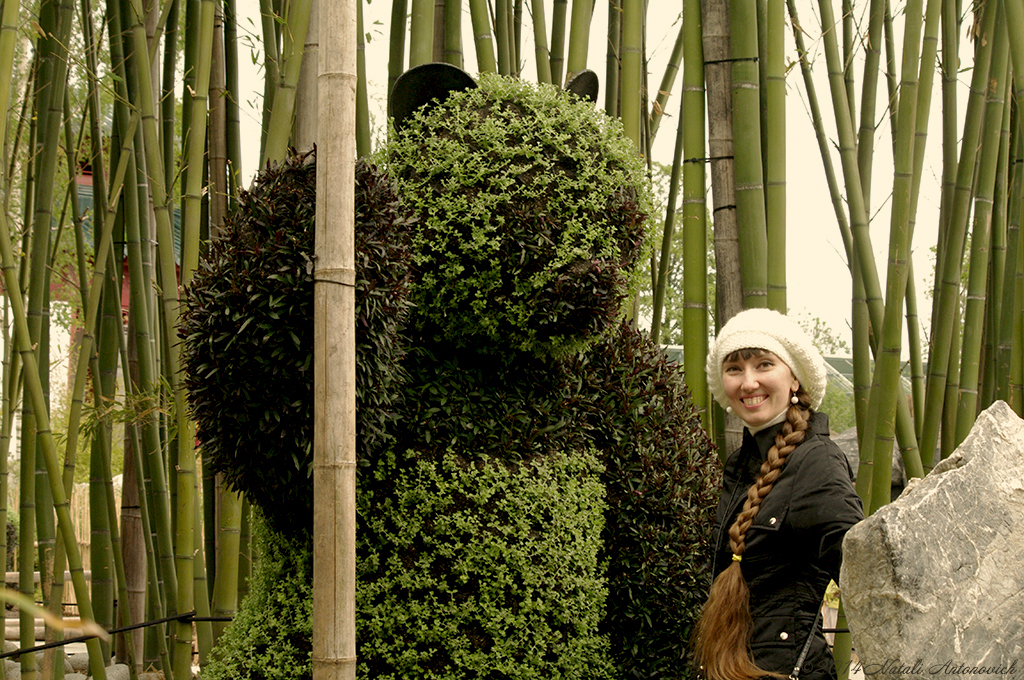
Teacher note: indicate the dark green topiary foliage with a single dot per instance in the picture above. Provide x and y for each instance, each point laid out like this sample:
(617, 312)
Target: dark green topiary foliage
(662, 480)
(248, 335)
(531, 206)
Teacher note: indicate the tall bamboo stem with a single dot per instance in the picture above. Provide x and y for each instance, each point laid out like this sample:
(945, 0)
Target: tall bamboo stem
(334, 465)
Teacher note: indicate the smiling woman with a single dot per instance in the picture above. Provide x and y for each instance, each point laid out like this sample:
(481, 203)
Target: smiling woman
(787, 501)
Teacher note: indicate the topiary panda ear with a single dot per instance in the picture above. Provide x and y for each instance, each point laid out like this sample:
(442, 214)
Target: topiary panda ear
(425, 85)
(584, 85)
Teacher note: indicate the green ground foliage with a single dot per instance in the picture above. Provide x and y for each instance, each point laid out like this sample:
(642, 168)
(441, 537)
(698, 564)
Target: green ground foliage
(248, 335)
(535, 493)
(272, 634)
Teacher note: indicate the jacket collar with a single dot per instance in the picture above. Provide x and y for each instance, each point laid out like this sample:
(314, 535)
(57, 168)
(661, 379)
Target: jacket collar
(764, 439)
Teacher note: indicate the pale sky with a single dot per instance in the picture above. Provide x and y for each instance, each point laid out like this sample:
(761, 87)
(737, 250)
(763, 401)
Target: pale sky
(819, 282)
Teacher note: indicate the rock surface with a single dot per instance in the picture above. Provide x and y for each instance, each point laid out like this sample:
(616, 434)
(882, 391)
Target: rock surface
(933, 584)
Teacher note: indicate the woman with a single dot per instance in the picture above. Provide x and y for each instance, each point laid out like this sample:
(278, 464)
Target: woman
(787, 501)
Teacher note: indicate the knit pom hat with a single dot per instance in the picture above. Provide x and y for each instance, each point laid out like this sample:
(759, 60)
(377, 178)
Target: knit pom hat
(777, 333)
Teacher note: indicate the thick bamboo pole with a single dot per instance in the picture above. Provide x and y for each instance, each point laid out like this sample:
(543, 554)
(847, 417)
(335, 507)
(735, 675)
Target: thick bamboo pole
(225, 583)
(746, 130)
(579, 36)
(540, 42)
(482, 37)
(334, 464)
(774, 160)
(718, 83)
(558, 14)
(695, 240)
(421, 33)
(631, 84)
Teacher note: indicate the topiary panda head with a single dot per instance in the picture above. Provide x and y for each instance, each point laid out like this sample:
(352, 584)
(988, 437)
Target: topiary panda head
(530, 207)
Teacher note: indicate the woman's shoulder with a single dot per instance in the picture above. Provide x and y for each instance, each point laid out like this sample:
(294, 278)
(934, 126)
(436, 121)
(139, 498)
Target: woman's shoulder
(818, 448)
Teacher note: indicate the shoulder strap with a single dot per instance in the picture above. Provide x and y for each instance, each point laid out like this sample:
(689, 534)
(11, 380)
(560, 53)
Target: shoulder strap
(807, 646)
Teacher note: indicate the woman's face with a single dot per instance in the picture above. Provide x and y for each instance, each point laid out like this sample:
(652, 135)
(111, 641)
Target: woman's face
(758, 387)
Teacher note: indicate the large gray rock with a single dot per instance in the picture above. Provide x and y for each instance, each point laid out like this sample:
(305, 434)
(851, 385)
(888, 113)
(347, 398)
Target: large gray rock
(933, 584)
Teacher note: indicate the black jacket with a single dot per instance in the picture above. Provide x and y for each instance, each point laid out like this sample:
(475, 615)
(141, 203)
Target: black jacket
(794, 545)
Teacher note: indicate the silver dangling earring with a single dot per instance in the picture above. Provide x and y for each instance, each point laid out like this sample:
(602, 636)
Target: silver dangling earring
(794, 400)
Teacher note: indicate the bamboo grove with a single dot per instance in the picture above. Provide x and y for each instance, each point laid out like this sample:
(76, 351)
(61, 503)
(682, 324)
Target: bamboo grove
(142, 99)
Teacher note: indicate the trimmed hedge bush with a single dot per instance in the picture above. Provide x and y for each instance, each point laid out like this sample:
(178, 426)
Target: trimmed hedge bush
(480, 568)
(248, 335)
(535, 494)
(531, 206)
(271, 637)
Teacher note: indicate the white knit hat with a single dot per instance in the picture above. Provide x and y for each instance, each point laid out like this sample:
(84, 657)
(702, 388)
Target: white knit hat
(770, 330)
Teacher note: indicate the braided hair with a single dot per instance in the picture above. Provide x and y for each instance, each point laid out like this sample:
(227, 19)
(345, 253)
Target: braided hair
(722, 635)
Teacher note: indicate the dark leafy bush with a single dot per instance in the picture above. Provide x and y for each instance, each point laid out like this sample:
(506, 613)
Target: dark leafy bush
(271, 636)
(531, 207)
(248, 335)
(477, 568)
(507, 406)
(662, 479)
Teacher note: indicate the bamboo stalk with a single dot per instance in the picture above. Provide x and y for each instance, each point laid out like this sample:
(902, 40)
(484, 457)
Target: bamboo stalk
(981, 237)
(774, 157)
(668, 80)
(334, 464)
(885, 392)
(631, 91)
(482, 37)
(695, 243)
(579, 35)
(421, 33)
(396, 41)
(995, 381)
(718, 81)
(279, 126)
(746, 127)
(869, 90)
(363, 142)
(664, 255)
(540, 43)
(558, 14)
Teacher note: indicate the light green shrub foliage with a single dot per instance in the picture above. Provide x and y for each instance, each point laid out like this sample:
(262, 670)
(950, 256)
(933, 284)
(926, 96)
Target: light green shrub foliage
(531, 206)
(482, 569)
(271, 636)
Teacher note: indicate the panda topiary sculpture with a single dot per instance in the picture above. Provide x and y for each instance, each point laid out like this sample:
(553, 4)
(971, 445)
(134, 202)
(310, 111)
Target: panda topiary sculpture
(539, 502)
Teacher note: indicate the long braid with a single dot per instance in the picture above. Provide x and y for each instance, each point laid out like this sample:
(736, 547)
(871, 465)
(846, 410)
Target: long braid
(722, 636)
